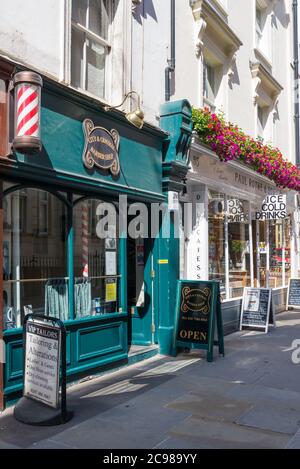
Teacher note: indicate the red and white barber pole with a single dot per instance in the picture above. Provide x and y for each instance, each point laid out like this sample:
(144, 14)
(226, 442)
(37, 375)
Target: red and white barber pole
(27, 93)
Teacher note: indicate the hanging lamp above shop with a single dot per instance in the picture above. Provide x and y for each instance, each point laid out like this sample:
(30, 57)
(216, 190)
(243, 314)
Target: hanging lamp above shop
(135, 117)
(27, 99)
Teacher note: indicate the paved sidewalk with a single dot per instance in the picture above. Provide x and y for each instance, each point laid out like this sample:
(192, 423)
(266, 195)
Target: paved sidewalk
(249, 399)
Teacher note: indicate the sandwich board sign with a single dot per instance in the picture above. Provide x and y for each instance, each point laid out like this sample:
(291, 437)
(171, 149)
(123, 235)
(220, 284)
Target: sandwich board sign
(42, 363)
(257, 308)
(293, 297)
(198, 313)
(44, 400)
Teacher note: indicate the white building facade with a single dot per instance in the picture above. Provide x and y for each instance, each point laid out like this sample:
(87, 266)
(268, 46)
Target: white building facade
(236, 58)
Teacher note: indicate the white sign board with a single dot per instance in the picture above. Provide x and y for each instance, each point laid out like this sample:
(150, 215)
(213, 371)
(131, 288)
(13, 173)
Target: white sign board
(42, 363)
(257, 308)
(273, 208)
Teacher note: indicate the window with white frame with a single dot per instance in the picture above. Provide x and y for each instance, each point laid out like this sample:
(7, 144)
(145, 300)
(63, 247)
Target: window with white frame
(90, 44)
(263, 30)
(259, 27)
(209, 85)
(261, 122)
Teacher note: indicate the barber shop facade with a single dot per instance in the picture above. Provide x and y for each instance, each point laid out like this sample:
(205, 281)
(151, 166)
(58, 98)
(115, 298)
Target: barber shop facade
(241, 231)
(114, 294)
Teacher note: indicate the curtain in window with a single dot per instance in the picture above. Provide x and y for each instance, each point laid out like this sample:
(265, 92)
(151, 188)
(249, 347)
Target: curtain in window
(83, 297)
(56, 298)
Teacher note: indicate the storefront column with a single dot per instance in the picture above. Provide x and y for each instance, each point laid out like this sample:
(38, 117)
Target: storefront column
(176, 120)
(268, 254)
(257, 247)
(295, 241)
(70, 260)
(283, 252)
(2, 348)
(226, 246)
(197, 246)
(251, 247)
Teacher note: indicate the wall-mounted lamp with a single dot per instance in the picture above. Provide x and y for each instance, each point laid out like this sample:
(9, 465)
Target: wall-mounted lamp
(27, 98)
(135, 117)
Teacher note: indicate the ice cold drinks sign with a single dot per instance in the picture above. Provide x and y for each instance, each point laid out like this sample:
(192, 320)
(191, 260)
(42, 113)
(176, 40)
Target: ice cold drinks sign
(273, 208)
(42, 359)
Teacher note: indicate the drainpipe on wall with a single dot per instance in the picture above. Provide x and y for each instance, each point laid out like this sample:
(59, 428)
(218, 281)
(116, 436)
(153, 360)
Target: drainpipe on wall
(296, 82)
(171, 61)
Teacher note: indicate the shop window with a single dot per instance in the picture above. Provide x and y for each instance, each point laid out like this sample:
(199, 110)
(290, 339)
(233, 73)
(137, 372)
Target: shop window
(34, 268)
(276, 253)
(216, 239)
(90, 44)
(262, 252)
(238, 246)
(95, 260)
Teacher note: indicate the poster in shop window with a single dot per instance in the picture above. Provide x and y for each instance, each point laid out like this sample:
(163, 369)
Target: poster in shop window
(257, 308)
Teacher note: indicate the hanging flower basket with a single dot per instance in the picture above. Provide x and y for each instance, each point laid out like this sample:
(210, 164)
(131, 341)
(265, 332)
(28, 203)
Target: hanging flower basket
(229, 142)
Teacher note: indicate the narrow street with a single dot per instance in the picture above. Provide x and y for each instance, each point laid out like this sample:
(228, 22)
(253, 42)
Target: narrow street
(249, 399)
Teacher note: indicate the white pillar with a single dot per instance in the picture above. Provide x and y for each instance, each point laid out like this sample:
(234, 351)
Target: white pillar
(197, 244)
(295, 241)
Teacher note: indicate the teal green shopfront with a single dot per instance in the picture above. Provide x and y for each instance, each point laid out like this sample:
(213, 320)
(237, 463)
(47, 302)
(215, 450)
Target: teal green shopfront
(114, 293)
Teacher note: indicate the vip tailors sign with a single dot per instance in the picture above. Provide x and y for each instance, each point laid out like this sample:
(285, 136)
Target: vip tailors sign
(42, 363)
(273, 208)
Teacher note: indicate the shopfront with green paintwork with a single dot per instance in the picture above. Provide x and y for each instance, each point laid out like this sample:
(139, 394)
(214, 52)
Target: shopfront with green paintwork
(112, 293)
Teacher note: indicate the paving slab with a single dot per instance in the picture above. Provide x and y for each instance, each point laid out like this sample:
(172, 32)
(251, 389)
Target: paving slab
(280, 419)
(213, 406)
(294, 442)
(99, 433)
(266, 394)
(223, 435)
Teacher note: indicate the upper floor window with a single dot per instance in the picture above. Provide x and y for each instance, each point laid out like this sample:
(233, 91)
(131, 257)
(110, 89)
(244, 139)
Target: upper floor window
(90, 44)
(209, 85)
(263, 30)
(259, 27)
(262, 117)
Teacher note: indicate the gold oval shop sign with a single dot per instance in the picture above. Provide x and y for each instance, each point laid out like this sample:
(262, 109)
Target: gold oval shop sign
(195, 300)
(101, 148)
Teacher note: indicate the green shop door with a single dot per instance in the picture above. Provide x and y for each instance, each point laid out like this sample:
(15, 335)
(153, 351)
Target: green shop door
(142, 323)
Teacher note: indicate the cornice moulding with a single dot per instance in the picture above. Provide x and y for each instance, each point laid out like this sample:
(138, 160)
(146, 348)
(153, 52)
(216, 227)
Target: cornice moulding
(206, 16)
(264, 78)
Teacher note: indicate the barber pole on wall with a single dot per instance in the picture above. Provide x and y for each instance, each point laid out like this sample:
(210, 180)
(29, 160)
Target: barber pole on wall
(27, 94)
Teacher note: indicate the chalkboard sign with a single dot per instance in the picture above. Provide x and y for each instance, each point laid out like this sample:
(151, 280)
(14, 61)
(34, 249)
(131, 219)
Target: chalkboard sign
(257, 308)
(197, 311)
(293, 298)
